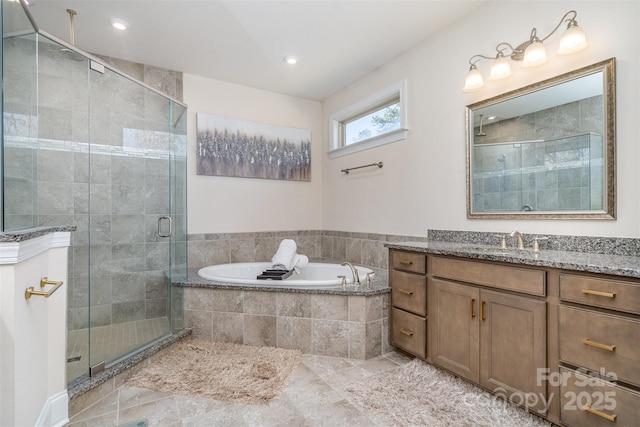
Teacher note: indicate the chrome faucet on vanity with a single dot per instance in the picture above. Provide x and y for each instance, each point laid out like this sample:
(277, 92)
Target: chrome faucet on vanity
(520, 239)
(354, 271)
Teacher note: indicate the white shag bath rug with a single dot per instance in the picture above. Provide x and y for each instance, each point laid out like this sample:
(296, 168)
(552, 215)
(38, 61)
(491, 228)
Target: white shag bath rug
(418, 394)
(222, 371)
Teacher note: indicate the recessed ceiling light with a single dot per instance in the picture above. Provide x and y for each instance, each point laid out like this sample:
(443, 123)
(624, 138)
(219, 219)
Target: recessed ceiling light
(290, 59)
(119, 25)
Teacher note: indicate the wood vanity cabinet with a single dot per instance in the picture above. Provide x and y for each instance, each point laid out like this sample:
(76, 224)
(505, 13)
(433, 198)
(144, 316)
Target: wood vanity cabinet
(408, 281)
(599, 332)
(493, 338)
(569, 338)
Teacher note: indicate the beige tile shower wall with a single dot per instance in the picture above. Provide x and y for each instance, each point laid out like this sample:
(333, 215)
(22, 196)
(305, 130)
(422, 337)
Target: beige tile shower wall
(365, 249)
(330, 325)
(166, 81)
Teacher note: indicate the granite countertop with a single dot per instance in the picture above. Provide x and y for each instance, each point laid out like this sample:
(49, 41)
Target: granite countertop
(32, 233)
(379, 285)
(619, 265)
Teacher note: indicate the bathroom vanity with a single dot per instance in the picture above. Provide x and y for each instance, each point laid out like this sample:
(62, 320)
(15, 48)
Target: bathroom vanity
(555, 332)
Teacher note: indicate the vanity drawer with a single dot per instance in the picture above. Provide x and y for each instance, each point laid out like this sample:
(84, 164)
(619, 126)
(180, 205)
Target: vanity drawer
(588, 401)
(409, 332)
(409, 261)
(595, 340)
(515, 279)
(613, 294)
(409, 292)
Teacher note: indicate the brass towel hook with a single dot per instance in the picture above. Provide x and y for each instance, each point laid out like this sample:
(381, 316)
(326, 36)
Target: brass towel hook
(44, 281)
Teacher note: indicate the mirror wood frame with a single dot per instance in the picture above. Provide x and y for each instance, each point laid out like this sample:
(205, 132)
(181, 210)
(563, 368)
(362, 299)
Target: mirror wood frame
(607, 67)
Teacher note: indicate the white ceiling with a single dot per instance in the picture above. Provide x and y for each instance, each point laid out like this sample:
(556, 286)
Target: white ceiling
(244, 42)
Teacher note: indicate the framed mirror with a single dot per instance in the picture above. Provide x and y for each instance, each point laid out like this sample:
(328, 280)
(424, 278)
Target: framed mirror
(546, 150)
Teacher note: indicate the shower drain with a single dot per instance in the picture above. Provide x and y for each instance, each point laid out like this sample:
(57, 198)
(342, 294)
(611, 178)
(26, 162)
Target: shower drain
(139, 423)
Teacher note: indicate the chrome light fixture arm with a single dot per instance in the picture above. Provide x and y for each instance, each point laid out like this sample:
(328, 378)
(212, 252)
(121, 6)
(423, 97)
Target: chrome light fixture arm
(571, 23)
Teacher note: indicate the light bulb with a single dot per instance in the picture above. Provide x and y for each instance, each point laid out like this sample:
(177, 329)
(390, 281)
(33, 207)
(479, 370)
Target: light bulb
(572, 40)
(500, 68)
(291, 60)
(535, 54)
(119, 24)
(473, 80)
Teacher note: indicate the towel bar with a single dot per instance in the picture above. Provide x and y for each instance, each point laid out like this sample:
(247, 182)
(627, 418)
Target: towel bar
(347, 170)
(44, 281)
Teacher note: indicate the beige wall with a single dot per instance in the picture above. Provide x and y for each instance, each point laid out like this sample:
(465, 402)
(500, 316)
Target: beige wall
(225, 204)
(33, 386)
(422, 184)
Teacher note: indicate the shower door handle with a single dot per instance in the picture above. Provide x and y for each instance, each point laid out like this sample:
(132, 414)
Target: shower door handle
(160, 233)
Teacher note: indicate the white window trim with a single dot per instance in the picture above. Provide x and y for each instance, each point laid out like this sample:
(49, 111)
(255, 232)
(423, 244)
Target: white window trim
(398, 89)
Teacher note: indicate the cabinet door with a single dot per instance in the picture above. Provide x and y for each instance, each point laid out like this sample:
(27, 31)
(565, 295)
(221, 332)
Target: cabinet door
(454, 319)
(513, 347)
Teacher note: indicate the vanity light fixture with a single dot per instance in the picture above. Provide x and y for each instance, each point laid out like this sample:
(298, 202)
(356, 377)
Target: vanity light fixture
(531, 52)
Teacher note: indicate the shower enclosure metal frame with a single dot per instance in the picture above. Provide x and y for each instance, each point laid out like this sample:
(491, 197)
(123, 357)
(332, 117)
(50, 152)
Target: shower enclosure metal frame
(111, 165)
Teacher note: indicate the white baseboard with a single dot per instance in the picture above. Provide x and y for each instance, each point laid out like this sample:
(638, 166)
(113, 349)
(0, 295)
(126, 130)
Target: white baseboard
(55, 412)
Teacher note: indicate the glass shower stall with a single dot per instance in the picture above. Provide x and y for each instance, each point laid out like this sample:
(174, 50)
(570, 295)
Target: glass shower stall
(85, 145)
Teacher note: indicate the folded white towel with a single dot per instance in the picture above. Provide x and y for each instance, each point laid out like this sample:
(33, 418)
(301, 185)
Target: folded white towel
(285, 257)
(301, 261)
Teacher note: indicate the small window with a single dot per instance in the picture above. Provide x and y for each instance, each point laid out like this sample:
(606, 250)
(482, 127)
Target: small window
(377, 120)
(383, 119)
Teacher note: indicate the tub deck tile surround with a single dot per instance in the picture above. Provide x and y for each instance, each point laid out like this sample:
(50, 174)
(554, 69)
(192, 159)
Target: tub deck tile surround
(348, 322)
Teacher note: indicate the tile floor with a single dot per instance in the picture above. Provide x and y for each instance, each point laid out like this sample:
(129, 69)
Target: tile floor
(314, 396)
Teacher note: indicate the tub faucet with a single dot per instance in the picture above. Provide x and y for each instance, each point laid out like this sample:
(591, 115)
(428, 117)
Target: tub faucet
(520, 240)
(354, 271)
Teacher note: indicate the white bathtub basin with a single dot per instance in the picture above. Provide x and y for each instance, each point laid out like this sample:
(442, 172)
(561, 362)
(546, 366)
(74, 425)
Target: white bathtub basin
(313, 275)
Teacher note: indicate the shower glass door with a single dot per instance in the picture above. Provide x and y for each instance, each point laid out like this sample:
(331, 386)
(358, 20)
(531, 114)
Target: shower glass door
(130, 217)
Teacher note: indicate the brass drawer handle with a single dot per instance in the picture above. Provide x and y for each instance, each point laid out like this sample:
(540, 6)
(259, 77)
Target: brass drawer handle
(599, 293)
(482, 311)
(406, 332)
(406, 292)
(43, 282)
(403, 262)
(600, 414)
(587, 341)
(473, 301)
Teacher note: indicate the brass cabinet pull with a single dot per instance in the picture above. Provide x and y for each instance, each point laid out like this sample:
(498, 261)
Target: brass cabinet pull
(403, 262)
(473, 301)
(406, 292)
(599, 293)
(600, 414)
(408, 333)
(587, 341)
(43, 282)
(482, 303)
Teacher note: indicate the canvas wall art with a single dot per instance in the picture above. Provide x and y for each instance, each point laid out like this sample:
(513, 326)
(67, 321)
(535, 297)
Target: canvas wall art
(231, 147)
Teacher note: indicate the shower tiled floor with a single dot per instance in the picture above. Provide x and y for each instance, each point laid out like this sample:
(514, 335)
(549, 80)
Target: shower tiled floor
(110, 342)
(314, 396)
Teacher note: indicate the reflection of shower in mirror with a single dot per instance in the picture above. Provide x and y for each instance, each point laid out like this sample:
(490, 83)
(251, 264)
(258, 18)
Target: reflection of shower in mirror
(480, 132)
